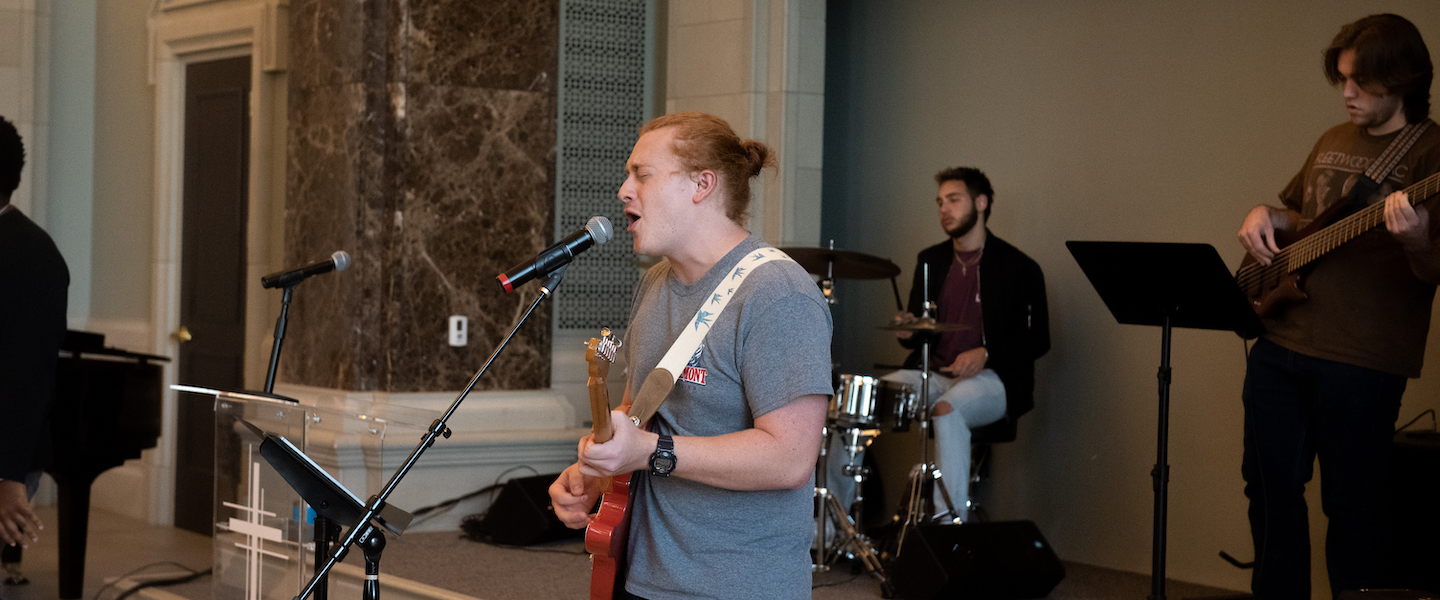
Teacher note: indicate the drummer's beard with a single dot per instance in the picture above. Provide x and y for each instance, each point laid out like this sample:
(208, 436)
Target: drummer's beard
(966, 224)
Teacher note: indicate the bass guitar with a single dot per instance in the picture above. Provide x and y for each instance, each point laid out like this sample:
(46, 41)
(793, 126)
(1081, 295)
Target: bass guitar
(1280, 284)
(607, 533)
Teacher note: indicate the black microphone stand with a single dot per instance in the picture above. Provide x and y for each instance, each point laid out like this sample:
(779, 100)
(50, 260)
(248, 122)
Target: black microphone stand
(325, 531)
(279, 338)
(370, 536)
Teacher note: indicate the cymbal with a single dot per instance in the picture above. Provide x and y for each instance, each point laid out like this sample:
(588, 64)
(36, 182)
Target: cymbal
(842, 264)
(925, 325)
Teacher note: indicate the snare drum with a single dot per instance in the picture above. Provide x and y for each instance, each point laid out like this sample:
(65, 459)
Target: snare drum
(864, 401)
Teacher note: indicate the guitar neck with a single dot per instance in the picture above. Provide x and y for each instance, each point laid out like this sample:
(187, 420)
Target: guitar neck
(600, 409)
(599, 353)
(1305, 251)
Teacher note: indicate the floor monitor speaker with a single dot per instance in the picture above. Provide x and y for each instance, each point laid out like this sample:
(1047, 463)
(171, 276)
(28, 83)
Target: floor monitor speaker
(521, 515)
(1004, 560)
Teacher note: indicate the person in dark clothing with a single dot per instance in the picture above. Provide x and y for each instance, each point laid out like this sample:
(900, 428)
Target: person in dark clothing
(1326, 378)
(984, 372)
(33, 286)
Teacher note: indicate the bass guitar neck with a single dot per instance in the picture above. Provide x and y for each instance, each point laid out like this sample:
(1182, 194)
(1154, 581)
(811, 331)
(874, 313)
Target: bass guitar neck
(1272, 287)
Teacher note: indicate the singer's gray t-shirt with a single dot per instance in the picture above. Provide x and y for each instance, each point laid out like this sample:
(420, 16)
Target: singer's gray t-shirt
(770, 346)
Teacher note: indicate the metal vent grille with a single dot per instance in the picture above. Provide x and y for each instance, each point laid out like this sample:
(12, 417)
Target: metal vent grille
(604, 75)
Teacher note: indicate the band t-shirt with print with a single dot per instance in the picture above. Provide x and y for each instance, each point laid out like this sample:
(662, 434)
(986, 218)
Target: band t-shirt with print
(1365, 306)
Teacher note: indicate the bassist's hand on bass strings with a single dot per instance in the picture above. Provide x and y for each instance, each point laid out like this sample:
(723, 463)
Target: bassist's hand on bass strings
(1257, 232)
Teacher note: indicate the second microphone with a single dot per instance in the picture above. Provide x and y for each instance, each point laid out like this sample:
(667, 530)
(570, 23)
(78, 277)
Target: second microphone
(597, 231)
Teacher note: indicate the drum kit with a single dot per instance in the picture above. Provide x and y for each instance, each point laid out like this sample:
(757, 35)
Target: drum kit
(861, 406)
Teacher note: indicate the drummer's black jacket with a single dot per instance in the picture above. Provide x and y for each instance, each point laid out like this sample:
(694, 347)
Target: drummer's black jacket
(1013, 307)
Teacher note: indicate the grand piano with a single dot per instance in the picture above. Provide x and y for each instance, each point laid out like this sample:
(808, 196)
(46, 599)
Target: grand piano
(106, 411)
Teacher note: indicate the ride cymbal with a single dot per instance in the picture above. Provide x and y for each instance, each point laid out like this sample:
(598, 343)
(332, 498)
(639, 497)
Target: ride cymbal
(842, 264)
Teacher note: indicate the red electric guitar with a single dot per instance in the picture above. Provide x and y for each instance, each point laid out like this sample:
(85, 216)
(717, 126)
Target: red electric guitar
(606, 535)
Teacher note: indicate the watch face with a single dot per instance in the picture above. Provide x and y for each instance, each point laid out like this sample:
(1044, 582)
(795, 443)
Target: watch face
(662, 463)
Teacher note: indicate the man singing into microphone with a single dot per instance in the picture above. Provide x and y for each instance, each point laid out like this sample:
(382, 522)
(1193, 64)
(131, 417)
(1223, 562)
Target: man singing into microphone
(722, 485)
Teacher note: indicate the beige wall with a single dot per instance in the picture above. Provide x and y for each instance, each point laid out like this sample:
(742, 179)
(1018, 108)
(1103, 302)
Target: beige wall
(124, 164)
(1129, 120)
(758, 64)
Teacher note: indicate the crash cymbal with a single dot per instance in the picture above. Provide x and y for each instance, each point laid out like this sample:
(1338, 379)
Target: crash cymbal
(924, 325)
(842, 264)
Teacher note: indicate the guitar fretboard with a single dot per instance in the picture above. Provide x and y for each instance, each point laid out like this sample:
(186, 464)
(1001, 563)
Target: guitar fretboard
(1255, 277)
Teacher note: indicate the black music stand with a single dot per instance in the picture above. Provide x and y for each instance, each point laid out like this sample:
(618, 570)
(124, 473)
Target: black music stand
(1166, 285)
(332, 501)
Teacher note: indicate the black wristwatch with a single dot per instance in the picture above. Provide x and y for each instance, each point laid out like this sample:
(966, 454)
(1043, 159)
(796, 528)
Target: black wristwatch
(662, 462)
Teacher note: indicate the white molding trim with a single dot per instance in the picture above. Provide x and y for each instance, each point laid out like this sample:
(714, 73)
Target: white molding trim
(204, 31)
(496, 436)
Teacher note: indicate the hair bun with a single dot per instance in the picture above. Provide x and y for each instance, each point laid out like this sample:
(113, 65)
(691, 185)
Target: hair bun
(760, 156)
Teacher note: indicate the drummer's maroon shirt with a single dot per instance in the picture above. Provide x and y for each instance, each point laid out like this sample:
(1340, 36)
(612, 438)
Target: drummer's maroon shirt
(960, 303)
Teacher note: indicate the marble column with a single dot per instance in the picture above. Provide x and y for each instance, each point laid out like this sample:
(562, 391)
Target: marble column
(421, 140)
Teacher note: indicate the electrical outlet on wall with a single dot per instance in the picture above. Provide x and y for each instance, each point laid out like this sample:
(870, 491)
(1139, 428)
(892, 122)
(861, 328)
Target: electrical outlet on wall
(459, 330)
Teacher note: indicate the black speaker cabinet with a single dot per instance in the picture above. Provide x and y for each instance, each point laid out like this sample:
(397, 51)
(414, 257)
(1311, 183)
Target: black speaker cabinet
(1005, 560)
(1412, 527)
(521, 515)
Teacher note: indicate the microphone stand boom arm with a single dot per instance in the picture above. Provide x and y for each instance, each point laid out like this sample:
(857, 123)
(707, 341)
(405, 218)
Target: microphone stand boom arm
(437, 429)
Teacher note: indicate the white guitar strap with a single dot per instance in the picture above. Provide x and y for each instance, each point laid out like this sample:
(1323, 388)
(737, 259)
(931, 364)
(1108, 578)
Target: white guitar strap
(675, 359)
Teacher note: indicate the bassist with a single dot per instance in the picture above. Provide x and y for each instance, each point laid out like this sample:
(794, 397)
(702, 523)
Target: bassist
(1327, 377)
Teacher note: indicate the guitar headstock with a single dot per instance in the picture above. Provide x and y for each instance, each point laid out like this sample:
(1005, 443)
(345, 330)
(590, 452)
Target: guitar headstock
(600, 352)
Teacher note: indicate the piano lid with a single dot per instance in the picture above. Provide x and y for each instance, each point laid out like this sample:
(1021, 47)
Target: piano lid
(88, 342)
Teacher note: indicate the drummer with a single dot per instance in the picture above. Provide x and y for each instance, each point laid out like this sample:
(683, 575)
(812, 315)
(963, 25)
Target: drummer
(996, 294)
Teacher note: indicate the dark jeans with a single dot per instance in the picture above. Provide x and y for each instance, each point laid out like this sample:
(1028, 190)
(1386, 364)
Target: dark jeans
(1298, 407)
(624, 595)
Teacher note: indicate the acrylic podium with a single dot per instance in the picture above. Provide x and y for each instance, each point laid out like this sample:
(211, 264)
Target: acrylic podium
(264, 541)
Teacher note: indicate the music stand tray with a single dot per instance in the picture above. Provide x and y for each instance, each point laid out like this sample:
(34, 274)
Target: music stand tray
(1142, 283)
(1166, 285)
(320, 490)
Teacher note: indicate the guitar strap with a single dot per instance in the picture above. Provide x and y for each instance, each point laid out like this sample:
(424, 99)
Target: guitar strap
(658, 383)
(1382, 165)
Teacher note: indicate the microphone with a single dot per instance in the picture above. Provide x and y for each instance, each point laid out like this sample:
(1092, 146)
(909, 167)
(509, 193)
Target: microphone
(337, 262)
(596, 231)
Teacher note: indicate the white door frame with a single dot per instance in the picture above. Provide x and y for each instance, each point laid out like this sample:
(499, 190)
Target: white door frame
(184, 32)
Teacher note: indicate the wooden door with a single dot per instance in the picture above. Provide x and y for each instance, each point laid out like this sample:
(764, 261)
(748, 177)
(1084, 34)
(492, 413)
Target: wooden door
(212, 267)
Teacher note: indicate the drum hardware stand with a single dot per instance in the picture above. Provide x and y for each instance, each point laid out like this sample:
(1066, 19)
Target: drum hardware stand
(828, 509)
(925, 474)
(827, 284)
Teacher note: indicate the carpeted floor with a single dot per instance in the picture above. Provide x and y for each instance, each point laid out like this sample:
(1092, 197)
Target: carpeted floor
(561, 570)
